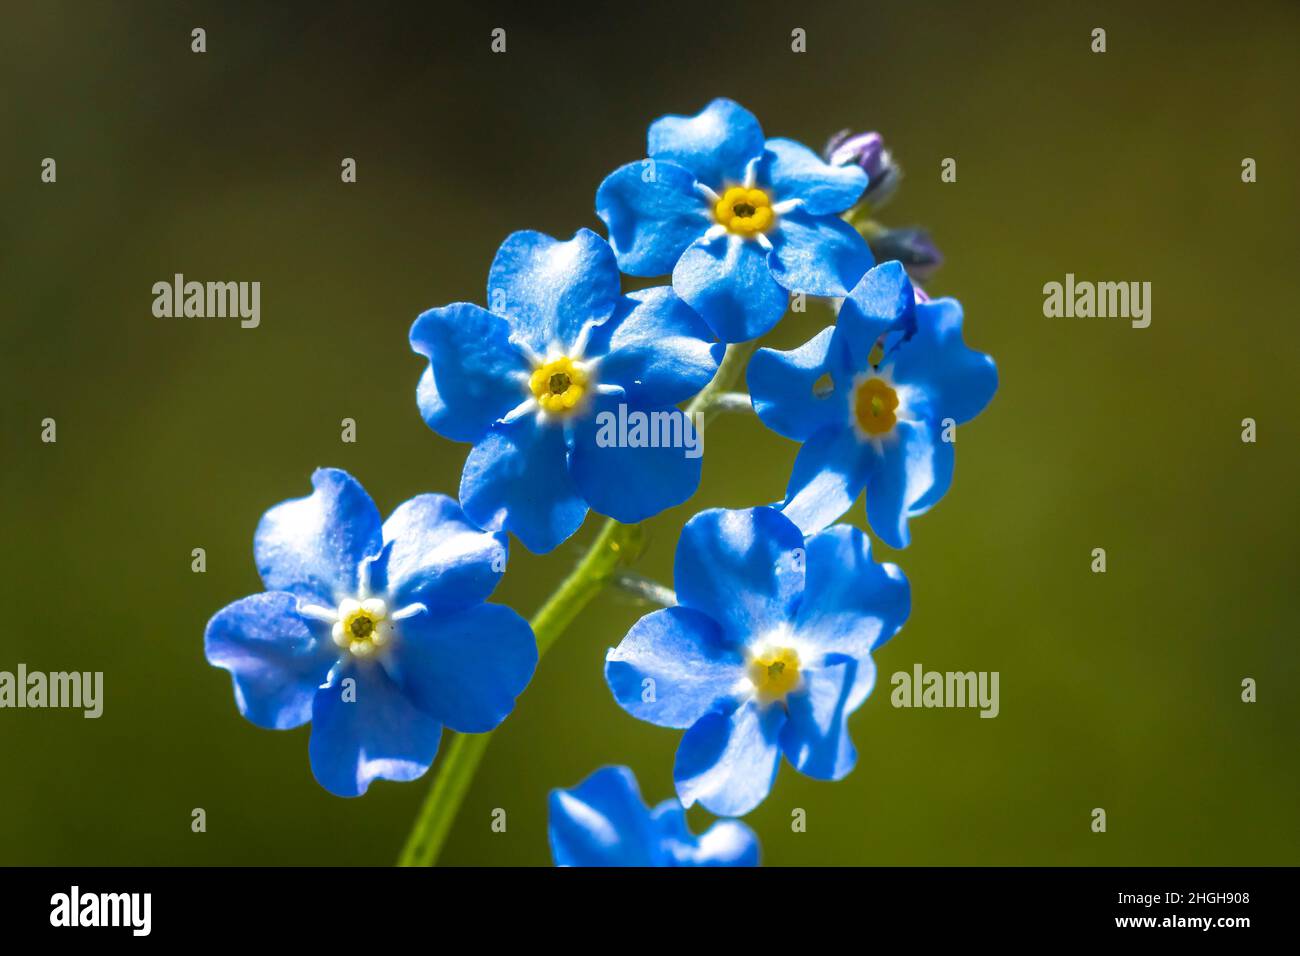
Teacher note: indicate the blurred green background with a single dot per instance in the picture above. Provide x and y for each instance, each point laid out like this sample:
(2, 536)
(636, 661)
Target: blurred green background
(1118, 690)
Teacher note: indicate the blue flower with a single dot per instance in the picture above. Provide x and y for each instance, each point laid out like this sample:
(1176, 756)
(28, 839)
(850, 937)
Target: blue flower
(875, 400)
(739, 221)
(537, 382)
(767, 653)
(603, 822)
(376, 632)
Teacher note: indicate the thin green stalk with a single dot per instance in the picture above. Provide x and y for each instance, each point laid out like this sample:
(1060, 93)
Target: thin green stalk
(615, 545)
(733, 363)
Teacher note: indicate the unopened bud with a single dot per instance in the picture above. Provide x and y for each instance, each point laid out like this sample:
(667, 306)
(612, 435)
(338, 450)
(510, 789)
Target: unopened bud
(912, 247)
(866, 151)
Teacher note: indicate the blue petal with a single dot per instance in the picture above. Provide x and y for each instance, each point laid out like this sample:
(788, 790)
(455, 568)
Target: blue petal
(818, 255)
(912, 474)
(517, 479)
(716, 144)
(728, 761)
(744, 569)
(466, 668)
(656, 347)
(958, 380)
(275, 661)
(729, 283)
(790, 391)
(627, 483)
(435, 556)
(552, 292)
(851, 604)
(602, 822)
(651, 223)
(829, 474)
(942, 468)
(691, 670)
(379, 734)
(816, 737)
(882, 302)
(313, 547)
(793, 171)
(726, 843)
(474, 370)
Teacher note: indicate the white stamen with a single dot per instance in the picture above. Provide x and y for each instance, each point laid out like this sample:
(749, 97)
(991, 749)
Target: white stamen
(526, 407)
(527, 350)
(318, 613)
(751, 172)
(707, 193)
(734, 244)
(409, 611)
(786, 205)
(580, 346)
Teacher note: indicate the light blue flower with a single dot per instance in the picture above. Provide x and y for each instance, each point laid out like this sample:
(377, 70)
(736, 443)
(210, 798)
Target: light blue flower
(766, 653)
(739, 221)
(535, 382)
(603, 822)
(875, 400)
(375, 631)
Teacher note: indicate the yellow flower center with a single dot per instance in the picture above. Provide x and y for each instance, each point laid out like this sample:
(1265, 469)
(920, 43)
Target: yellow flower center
(362, 626)
(774, 673)
(745, 212)
(874, 403)
(558, 385)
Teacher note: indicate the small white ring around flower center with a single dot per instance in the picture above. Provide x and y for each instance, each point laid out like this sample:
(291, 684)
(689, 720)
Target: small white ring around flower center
(362, 627)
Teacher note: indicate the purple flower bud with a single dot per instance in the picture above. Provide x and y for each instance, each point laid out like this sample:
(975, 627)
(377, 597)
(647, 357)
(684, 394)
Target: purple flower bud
(912, 247)
(866, 151)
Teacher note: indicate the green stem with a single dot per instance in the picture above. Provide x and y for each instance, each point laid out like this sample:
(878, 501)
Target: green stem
(733, 363)
(615, 545)
(450, 782)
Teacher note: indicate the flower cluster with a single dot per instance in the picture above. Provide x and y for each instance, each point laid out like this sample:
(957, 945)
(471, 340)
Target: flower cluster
(377, 631)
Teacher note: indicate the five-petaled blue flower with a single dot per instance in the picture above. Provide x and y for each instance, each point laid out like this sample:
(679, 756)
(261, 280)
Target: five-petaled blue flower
(603, 822)
(375, 631)
(537, 382)
(876, 400)
(767, 652)
(737, 220)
